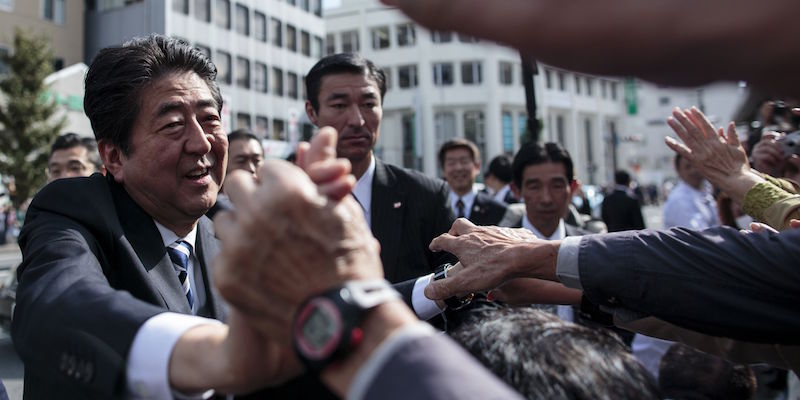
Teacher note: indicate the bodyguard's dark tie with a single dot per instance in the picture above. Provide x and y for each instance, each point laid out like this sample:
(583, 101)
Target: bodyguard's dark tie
(460, 208)
(179, 252)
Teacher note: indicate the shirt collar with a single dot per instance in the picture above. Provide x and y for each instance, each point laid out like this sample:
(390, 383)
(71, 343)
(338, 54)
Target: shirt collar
(169, 237)
(468, 199)
(560, 232)
(363, 190)
(501, 194)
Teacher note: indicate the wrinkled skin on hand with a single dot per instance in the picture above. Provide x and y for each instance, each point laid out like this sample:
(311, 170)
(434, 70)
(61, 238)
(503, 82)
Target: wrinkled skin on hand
(284, 242)
(489, 256)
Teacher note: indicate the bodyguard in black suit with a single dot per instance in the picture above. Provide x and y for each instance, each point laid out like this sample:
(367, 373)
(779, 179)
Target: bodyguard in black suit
(621, 210)
(461, 163)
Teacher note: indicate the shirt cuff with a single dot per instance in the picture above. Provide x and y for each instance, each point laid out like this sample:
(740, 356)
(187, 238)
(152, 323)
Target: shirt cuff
(567, 269)
(366, 374)
(148, 361)
(424, 307)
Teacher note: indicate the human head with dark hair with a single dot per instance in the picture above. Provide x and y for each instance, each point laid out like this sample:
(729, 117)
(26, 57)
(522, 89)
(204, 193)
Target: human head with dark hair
(498, 174)
(686, 373)
(155, 110)
(544, 357)
(460, 160)
(622, 178)
(346, 91)
(71, 156)
(543, 178)
(244, 151)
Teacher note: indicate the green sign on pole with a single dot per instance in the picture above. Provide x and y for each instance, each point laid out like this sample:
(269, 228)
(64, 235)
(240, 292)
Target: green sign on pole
(630, 96)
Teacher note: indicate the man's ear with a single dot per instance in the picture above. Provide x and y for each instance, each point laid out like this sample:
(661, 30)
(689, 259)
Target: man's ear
(112, 158)
(312, 115)
(515, 190)
(574, 186)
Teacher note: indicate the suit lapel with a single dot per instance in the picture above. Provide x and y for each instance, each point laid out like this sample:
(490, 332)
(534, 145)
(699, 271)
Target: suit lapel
(388, 201)
(145, 240)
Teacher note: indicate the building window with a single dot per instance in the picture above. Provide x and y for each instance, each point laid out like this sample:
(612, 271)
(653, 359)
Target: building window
(243, 121)
(291, 37)
(508, 132)
(603, 88)
(387, 73)
(316, 7)
(330, 44)
(522, 126)
(474, 130)
(590, 166)
(408, 125)
(180, 6)
(260, 80)
(262, 126)
(562, 82)
(54, 11)
(444, 127)
(471, 73)
(316, 51)
(291, 2)
(561, 135)
(548, 79)
(292, 82)
(305, 43)
(277, 81)
(278, 130)
(260, 26)
(589, 88)
(577, 84)
(467, 39)
(380, 37)
(202, 10)
(242, 20)
(443, 74)
(441, 37)
(407, 76)
(305, 5)
(350, 42)
(406, 35)
(243, 72)
(223, 63)
(613, 90)
(277, 34)
(222, 13)
(506, 73)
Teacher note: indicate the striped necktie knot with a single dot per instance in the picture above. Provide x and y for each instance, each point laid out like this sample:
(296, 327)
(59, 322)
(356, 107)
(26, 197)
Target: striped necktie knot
(179, 252)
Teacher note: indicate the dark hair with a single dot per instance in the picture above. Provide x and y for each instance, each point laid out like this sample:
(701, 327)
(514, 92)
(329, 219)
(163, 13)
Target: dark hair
(242, 133)
(70, 140)
(500, 168)
(349, 63)
(686, 373)
(534, 153)
(622, 178)
(459, 143)
(544, 357)
(678, 161)
(118, 75)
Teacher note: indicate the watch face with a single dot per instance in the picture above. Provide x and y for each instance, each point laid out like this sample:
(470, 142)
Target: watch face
(318, 329)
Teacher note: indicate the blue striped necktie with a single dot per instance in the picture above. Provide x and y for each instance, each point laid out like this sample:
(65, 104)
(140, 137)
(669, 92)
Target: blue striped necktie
(179, 252)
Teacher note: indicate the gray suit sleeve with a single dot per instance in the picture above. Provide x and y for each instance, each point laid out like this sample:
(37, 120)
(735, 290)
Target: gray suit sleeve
(434, 367)
(717, 281)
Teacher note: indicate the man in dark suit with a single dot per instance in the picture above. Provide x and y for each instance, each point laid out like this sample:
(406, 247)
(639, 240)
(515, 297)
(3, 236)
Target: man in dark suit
(498, 178)
(461, 163)
(621, 210)
(111, 263)
(405, 209)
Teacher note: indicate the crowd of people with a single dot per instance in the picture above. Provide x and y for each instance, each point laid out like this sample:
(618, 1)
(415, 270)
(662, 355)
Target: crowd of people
(313, 279)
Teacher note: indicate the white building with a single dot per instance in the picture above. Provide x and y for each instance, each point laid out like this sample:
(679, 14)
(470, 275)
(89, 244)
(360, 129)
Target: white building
(443, 85)
(262, 50)
(641, 148)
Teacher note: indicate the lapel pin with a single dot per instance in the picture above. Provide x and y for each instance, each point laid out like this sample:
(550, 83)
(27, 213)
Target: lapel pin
(397, 205)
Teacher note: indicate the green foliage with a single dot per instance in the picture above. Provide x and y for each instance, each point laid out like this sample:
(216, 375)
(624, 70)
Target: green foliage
(26, 126)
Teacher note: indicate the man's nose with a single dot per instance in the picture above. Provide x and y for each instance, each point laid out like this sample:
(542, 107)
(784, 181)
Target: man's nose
(197, 141)
(354, 117)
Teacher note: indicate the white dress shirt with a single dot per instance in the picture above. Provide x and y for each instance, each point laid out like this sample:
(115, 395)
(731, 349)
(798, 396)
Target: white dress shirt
(363, 191)
(468, 199)
(690, 208)
(500, 195)
(564, 312)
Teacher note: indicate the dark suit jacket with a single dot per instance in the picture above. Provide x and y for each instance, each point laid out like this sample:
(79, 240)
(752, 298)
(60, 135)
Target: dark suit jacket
(409, 210)
(622, 212)
(716, 281)
(486, 210)
(94, 270)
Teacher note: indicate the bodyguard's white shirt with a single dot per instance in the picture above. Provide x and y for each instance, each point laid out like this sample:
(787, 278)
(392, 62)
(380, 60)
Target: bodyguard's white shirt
(468, 200)
(690, 208)
(501, 194)
(363, 191)
(564, 312)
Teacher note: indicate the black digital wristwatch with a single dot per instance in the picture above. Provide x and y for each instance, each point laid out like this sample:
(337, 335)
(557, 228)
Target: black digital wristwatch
(454, 302)
(327, 325)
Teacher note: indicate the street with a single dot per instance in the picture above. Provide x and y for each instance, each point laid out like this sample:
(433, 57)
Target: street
(10, 367)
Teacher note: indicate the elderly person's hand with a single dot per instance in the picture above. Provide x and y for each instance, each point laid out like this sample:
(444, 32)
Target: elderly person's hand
(719, 156)
(286, 241)
(489, 256)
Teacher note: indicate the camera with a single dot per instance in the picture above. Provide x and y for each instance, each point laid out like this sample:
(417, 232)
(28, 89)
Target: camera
(790, 144)
(784, 118)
